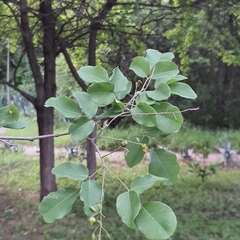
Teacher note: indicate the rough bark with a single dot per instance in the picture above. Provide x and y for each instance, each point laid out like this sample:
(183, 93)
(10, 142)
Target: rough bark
(91, 149)
(45, 88)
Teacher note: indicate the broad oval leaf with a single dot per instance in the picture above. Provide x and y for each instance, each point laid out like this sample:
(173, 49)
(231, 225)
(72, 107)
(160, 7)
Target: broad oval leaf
(183, 90)
(65, 106)
(75, 171)
(156, 221)
(102, 93)
(144, 182)
(91, 194)
(143, 97)
(165, 69)
(119, 80)
(153, 56)
(16, 125)
(80, 128)
(141, 66)
(167, 56)
(128, 206)
(8, 115)
(116, 109)
(154, 132)
(86, 104)
(135, 151)
(164, 164)
(169, 118)
(162, 92)
(176, 79)
(123, 94)
(144, 115)
(93, 74)
(58, 204)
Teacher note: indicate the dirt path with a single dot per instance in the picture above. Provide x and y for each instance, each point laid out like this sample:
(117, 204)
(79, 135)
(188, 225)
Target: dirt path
(120, 155)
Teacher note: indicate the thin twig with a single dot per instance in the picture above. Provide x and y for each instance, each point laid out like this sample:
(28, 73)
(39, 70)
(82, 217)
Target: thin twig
(33, 138)
(160, 113)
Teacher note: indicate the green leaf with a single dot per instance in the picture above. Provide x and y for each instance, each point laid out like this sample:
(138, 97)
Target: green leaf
(75, 171)
(183, 90)
(162, 92)
(176, 79)
(144, 182)
(156, 221)
(144, 115)
(8, 115)
(168, 80)
(16, 125)
(81, 128)
(169, 118)
(123, 94)
(93, 74)
(168, 56)
(116, 109)
(153, 56)
(101, 93)
(58, 204)
(165, 69)
(143, 97)
(141, 66)
(91, 195)
(164, 164)
(128, 206)
(65, 106)
(135, 151)
(119, 80)
(154, 132)
(86, 104)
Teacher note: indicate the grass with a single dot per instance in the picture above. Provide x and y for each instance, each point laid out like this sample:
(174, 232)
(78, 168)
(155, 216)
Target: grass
(209, 210)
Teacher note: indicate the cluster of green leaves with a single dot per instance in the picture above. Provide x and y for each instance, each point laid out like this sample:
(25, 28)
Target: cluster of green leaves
(9, 116)
(148, 107)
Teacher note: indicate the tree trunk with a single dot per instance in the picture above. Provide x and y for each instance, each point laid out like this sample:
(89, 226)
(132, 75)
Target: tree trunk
(91, 149)
(45, 126)
(45, 87)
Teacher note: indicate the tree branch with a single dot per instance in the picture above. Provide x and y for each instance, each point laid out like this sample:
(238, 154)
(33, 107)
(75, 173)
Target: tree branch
(29, 97)
(72, 68)
(33, 138)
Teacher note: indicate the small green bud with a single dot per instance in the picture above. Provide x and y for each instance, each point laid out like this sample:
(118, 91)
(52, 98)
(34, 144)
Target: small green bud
(92, 220)
(92, 208)
(124, 143)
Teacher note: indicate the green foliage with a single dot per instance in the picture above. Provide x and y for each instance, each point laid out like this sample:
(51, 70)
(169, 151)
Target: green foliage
(161, 116)
(58, 204)
(154, 114)
(9, 116)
